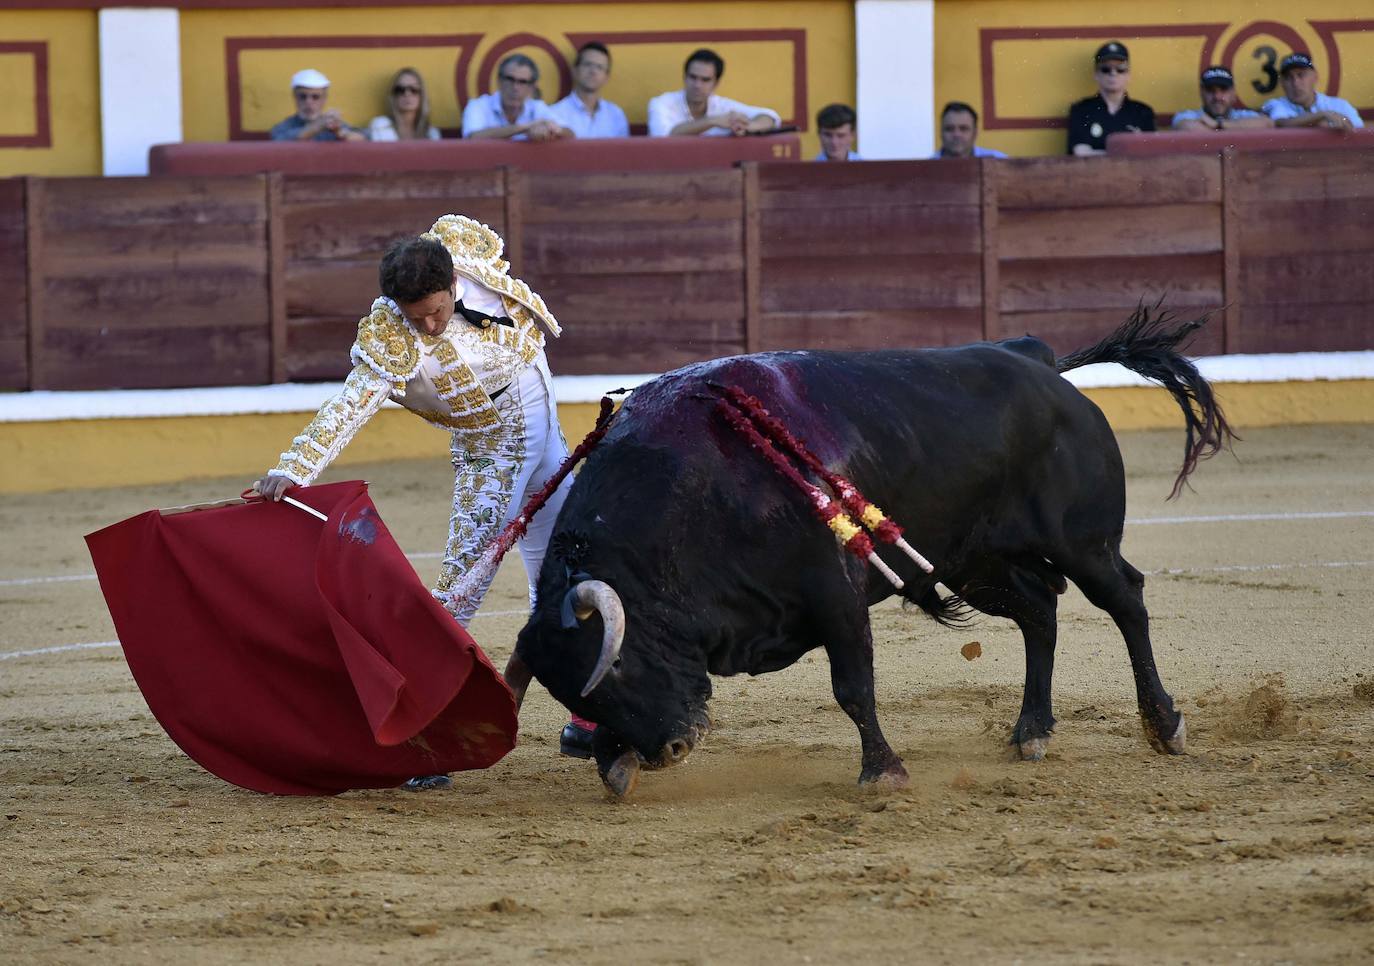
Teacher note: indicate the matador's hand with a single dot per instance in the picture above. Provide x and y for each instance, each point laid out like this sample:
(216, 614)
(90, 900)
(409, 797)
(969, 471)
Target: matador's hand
(273, 487)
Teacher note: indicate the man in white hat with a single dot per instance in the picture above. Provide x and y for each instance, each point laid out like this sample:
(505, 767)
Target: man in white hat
(312, 122)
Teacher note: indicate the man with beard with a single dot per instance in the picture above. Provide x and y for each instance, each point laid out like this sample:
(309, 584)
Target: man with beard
(959, 132)
(1219, 111)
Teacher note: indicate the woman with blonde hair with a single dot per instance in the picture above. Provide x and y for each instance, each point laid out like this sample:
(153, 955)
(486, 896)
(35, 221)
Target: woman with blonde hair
(407, 116)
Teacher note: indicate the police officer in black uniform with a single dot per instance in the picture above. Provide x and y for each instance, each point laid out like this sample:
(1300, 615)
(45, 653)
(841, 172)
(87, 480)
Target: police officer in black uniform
(1109, 110)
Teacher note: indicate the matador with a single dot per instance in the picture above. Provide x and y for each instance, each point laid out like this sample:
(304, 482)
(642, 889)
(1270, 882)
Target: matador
(458, 341)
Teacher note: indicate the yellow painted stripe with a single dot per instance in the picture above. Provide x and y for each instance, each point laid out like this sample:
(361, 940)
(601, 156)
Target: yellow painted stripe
(80, 454)
(1247, 404)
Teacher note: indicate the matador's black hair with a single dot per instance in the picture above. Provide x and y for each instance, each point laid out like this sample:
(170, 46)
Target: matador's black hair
(415, 268)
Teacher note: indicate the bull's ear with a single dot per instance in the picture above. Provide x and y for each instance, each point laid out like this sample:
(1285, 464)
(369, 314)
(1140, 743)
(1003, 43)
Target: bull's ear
(566, 613)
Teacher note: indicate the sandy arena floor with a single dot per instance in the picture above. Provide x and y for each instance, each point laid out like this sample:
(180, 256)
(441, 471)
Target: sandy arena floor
(1257, 846)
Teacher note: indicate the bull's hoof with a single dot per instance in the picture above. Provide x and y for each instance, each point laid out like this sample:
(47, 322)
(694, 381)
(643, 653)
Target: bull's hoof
(892, 777)
(1033, 749)
(622, 777)
(1177, 744)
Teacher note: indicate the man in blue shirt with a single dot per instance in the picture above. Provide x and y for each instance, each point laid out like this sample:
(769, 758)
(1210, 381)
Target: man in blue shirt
(1219, 110)
(1302, 105)
(959, 132)
(512, 111)
(585, 112)
(835, 126)
(312, 122)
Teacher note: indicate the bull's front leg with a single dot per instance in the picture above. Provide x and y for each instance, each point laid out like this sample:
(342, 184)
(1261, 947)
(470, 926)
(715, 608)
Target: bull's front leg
(851, 676)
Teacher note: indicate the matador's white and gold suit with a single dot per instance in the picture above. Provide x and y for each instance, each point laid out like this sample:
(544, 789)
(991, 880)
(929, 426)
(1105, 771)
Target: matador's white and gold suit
(489, 385)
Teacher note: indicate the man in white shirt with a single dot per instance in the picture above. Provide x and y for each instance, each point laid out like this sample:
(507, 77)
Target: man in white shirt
(697, 109)
(585, 112)
(1302, 105)
(512, 112)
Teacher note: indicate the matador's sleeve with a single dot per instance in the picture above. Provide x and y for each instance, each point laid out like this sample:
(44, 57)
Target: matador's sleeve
(386, 355)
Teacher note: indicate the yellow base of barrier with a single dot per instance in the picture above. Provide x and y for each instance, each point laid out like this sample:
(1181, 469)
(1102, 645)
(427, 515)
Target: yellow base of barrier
(81, 454)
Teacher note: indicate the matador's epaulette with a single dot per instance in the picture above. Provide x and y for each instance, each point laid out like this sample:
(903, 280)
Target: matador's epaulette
(476, 251)
(386, 344)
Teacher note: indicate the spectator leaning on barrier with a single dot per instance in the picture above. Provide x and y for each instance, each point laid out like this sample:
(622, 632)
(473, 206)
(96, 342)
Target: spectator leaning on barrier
(959, 133)
(1110, 110)
(512, 111)
(312, 122)
(697, 109)
(585, 112)
(835, 124)
(407, 116)
(1219, 111)
(1302, 105)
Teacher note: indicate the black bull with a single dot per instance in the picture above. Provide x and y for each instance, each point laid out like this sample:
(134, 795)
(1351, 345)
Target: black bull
(1005, 476)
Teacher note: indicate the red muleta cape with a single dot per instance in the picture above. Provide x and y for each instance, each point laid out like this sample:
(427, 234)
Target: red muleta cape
(295, 656)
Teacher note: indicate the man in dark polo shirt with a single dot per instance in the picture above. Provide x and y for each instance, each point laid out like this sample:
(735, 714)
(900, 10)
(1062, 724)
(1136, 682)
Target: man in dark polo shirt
(1110, 110)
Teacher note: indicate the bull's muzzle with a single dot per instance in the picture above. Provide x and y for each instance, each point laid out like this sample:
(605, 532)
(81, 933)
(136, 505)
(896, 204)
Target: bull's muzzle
(598, 597)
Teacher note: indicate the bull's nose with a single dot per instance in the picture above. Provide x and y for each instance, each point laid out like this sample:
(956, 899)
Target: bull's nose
(676, 750)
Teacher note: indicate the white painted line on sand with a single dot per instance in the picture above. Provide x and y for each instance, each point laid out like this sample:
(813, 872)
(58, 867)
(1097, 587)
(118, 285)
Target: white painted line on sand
(98, 644)
(1165, 572)
(25, 581)
(59, 647)
(1256, 568)
(1133, 521)
(1249, 517)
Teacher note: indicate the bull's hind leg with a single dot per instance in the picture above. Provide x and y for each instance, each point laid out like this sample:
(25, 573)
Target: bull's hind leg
(850, 650)
(1024, 596)
(1114, 585)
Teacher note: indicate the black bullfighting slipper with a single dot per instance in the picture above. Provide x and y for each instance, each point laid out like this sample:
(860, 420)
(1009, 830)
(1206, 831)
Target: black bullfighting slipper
(575, 741)
(429, 783)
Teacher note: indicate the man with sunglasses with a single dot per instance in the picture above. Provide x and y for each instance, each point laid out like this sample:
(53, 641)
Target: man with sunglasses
(312, 122)
(1110, 110)
(512, 111)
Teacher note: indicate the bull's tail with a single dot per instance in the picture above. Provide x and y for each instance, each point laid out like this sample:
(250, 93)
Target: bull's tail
(1151, 346)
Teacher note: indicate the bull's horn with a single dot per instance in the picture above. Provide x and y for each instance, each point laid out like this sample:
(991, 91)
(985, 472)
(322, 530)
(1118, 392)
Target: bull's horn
(597, 596)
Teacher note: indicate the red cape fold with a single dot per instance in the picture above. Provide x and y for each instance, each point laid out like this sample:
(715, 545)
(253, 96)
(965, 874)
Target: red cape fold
(294, 656)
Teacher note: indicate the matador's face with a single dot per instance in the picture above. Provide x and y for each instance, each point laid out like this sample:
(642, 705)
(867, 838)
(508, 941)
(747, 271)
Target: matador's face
(432, 313)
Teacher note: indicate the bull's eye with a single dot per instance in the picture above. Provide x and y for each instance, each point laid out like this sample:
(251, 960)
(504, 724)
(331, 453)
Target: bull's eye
(615, 665)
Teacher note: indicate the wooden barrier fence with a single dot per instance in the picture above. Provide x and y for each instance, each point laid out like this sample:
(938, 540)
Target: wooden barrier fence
(190, 281)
